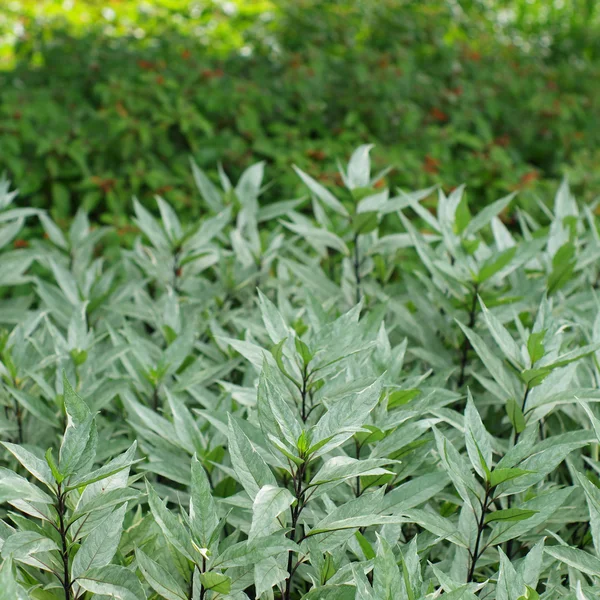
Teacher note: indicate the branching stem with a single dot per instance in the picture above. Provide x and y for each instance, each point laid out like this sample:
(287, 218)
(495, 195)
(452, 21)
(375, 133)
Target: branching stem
(476, 553)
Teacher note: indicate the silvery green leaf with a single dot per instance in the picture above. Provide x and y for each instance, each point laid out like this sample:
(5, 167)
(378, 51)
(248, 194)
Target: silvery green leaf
(268, 573)
(170, 221)
(510, 584)
(486, 214)
(55, 235)
(251, 469)
(387, 580)
(207, 189)
(170, 525)
(359, 167)
(100, 546)
(415, 492)
(114, 466)
(10, 231)
(341, 468)
(35, 465)
(248, 186)
(502, 337)
(494, 365)
(14, 487)
(204, 517)
(23, 544)
(592, 496)
(159, 578)
(250, 552)
(113, 581)
(578, 559)
(269, 503)
(546, 504)
(9, 588)
(275, 414)
(322, 193)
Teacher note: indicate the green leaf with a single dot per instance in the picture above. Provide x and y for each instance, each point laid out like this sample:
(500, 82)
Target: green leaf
(499, 476)
(515, 415)
(401, 397)
(365, 545)
(216, 582)
(535, 346)
(495, 264)
(509, 514)
(563, 265)
(365, 222)
(303, 350)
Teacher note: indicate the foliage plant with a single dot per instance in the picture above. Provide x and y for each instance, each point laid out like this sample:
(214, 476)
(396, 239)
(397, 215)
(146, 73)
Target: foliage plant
(344, 396)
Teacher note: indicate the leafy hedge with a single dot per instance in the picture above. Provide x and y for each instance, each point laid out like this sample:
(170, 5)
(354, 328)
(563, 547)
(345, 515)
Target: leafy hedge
(288, 400)
(91, 115)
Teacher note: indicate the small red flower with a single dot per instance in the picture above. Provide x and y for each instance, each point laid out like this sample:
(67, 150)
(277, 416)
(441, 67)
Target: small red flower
(438, 115)
(431, 165)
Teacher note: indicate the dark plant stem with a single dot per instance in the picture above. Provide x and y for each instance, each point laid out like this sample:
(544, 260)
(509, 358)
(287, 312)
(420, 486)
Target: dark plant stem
(523, 403)
(62, 530)
(357, 448)
(304, 414)
(203, 592)
(357, 269)
(466, 345)
(155, 398)
(19, 417)
(509, 543)
(480, 527)
(295, 510)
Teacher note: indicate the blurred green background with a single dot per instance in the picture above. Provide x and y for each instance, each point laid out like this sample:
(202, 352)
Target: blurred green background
(101, 100)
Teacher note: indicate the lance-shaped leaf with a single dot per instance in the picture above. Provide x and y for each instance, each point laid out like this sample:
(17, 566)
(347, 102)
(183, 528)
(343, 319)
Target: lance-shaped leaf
(251, 469)
(204, 517)
(113, 581)
(170, 525)
(477, 440)
(159, 578)
(269, 503)
(99, 547)
(578, 559)
(35, 465)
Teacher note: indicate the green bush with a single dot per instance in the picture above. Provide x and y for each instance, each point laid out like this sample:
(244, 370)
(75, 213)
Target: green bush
(337, 397)
(91, 115)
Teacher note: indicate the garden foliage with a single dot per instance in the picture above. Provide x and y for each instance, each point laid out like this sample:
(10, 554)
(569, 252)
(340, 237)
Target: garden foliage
(105, 100)
(344, 396)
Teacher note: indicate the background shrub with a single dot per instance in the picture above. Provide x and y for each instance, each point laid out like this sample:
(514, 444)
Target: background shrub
(101, 102)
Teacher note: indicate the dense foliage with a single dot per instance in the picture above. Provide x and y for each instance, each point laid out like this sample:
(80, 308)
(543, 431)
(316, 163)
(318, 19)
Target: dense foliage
(338, 397)
(101, 101)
